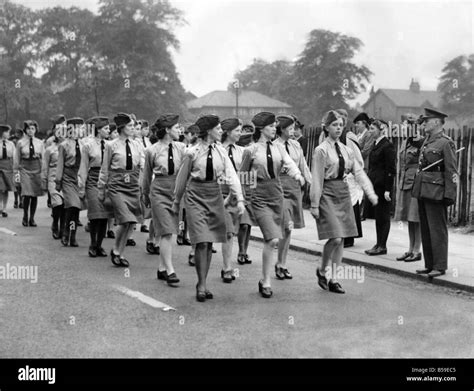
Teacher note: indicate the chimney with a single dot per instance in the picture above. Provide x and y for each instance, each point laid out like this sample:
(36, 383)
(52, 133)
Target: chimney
(414, 86)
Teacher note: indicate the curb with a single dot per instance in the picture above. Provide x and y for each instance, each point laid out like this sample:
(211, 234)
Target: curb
(386, 269)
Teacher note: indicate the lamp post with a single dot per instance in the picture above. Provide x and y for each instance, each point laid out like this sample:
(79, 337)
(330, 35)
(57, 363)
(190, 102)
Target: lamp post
(236, 85)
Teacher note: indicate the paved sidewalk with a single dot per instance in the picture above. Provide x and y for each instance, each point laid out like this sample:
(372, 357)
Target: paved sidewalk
(460, 273)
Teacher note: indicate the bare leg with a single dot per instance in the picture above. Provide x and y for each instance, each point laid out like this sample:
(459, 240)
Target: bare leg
(328, 251)
(283, 246)
(416, 237)
(227, 253)
(120, 238)
(166, 254)
(267, 260)
(200, 258)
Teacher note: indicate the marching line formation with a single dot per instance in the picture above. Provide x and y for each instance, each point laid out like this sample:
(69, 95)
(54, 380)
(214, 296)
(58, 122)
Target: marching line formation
(216, 179)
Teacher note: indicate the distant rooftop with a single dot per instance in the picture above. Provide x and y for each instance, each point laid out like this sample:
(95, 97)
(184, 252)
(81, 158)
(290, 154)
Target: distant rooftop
(250, 99)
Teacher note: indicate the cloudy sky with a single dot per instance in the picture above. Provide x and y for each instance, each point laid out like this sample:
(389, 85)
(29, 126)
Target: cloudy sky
(402, 39)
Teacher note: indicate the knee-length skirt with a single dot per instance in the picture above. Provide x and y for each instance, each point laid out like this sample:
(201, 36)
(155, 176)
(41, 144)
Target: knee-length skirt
(165, 221)
(30, 178)
(6, 175)
(124, 192)
(292, 203)
(336, 215)
(70, 188)
(205, 212)
(146, 212)
(407, 207)
(95, 208)
(267, 208)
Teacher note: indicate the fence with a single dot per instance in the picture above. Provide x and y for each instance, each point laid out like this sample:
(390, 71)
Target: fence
(461, 213)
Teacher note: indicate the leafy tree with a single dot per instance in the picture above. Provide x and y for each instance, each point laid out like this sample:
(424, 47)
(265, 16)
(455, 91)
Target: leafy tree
(457, 89)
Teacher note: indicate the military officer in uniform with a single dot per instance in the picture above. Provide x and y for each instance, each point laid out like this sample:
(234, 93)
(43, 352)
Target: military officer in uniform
(435, 189)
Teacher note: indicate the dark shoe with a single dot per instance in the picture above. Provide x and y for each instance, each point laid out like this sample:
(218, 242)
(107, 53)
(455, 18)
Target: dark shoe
(180, 240)
(111, 234)
(322, 280)
(21, 205)
(335, 287)
(144, 228)
(92, 252)
(436, 273)
(87, 228)
(156, 249)
(65, 240)
(15, 205)
(162, 275)
(346, 245)
(247, 260)
(213, 250)
(101, 252)
(423, 271)
(4, 214)
(200, 295)
(227, 276)
(114, 258)
(372, 249)
(25, 222)
(209, 294)
(377, 251)
(55, 232)
(191, 260)
(241, 259)
(279, 273)
(150, 248)
(404, 256)
(287, 274)
(72, 240)
(172, 279)
(413, 258)
(131, 242)
(32, 223)
(266, 292)
(123, 262)
(186, 242)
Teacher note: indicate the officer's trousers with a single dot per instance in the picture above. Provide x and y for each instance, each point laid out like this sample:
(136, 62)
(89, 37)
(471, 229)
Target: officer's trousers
(434, 233)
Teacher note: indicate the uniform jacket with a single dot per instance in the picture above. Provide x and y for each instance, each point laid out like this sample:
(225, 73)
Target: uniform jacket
(366, 144)
(438, 183)
(382, 166)
(409, 155)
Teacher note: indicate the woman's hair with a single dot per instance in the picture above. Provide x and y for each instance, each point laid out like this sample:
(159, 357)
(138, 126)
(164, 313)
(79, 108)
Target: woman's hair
(377, 123)
(328, 118)
(257, 133)
(160, 133)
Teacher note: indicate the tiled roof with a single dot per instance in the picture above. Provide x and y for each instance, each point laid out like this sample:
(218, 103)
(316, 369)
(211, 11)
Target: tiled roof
(407, 98)
(250, 99)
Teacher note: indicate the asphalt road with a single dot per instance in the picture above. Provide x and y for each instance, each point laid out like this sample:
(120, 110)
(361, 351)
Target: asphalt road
(78, 308)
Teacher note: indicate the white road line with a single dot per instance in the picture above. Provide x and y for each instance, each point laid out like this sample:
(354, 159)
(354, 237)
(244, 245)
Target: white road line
(7, 231)
(144, 298)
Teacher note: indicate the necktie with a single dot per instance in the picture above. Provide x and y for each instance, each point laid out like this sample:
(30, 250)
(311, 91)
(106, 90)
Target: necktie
(102, 147)
(341, 162)
(77, 163)
(32, 148)
(4, 153)
(209, 166)
(270, 161)
(128, 153)
(286, 147)
(231, 157)
(170, 160)
(144, 143)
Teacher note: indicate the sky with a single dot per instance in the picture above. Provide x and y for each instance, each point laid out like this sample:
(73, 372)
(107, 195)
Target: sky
(402, 39)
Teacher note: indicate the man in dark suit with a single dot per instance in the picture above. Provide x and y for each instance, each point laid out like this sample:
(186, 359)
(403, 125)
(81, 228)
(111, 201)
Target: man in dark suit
(435, 188)
(382, 171)
(365, 140)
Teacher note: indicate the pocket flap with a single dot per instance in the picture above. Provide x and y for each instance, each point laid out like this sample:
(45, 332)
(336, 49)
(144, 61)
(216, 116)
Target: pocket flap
(433, 177)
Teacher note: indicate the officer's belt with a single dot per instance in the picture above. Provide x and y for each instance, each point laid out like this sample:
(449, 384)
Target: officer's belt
(434, 169)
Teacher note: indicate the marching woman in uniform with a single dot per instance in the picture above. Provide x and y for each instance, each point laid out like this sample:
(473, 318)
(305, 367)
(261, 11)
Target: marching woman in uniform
(119, 182)
(48, 176)
(28, 156)
(142, 138)
(205, 163)
(69, 161)
(7, 152)
(246, 222)
(268, 159)
(110, 222)
(292, 194)
(91, 161)
(18, 202)
(330, 197)
(162, 160)
(232, 130)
